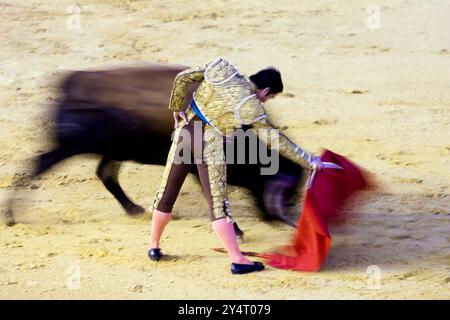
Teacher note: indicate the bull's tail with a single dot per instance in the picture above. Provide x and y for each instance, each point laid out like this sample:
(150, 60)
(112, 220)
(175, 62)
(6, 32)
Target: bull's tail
(9, 217)
(42, 163)
(9, 214)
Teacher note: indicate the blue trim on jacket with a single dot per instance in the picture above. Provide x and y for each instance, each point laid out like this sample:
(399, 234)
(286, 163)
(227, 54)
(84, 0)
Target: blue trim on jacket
(197, 112)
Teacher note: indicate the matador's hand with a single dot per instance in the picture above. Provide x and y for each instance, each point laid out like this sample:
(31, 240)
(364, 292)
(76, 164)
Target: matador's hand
(316, 163)
(178, 116)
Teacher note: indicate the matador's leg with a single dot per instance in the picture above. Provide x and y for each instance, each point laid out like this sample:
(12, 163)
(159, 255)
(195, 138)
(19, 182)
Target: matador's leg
(177, 167)
(175, 172)
(215, 183)
(213, 175)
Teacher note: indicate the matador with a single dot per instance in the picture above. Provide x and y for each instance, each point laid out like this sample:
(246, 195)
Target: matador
(224, 101)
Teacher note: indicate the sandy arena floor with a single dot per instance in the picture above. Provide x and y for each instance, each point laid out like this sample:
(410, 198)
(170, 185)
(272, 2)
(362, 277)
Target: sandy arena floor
(380, 97)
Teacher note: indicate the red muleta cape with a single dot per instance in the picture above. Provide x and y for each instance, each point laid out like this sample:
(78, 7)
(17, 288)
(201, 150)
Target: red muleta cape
(324, 199)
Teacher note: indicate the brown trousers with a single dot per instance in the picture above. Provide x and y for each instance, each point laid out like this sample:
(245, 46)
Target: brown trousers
(201, 148)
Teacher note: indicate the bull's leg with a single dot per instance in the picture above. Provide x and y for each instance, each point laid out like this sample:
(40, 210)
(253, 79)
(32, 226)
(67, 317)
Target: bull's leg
(107, 172)
(239, 232)
(42, 163)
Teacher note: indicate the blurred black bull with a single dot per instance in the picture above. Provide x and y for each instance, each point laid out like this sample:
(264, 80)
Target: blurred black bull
(122, 115)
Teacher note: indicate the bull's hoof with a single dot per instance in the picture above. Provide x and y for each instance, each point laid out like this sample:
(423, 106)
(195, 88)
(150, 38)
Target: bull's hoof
(238, 230)
(135, 210)
(9, 218)
(239, 233)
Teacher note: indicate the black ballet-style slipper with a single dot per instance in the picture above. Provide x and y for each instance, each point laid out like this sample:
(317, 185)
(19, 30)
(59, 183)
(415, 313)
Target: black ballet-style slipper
(155, 254)
(237, 268)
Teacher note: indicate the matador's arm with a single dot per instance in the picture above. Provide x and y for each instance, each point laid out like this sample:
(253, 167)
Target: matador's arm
(287, 148)
(181, 85)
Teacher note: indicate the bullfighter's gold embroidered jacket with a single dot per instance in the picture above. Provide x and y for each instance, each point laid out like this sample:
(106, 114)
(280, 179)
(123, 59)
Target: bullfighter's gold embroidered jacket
(228, 100)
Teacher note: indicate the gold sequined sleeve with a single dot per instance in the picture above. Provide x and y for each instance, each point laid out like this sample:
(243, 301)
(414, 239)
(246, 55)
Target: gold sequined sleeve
(181, 85)
(278, 141)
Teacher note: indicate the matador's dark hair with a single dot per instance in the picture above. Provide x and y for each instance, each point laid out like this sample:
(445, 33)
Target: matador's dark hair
(268, 78)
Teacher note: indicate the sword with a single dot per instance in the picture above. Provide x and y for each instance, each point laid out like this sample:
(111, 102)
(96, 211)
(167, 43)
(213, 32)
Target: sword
(326, 165)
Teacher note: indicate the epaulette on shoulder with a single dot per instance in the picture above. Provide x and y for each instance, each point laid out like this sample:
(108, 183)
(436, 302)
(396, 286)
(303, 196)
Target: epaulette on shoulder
(219, 71)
